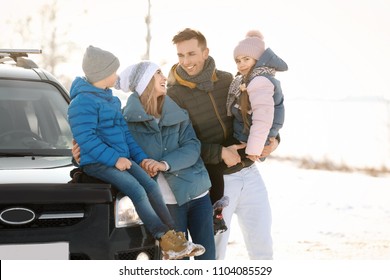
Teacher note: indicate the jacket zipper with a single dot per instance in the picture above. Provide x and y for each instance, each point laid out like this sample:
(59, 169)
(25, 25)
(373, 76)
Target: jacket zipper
(218, 116)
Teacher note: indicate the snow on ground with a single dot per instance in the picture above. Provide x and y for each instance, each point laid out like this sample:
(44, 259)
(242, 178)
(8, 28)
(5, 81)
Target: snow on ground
(323, 215)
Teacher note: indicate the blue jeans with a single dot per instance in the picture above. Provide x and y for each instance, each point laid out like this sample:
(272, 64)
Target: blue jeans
(142, 190)
(196, 216)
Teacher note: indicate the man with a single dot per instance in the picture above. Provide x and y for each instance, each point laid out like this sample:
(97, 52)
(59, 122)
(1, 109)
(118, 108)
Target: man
(196, 86)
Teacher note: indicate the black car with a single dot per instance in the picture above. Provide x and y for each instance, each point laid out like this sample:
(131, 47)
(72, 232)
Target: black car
(42, 215)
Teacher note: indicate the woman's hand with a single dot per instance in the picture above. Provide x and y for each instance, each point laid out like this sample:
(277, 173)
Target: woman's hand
(152, 167)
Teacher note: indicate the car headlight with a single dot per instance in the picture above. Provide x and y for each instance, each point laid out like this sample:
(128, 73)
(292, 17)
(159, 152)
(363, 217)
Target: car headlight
(143, 256)
(125, 214)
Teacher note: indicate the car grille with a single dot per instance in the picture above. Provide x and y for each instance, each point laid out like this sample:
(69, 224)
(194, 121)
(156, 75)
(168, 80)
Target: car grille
(44, 224)
(50, 216)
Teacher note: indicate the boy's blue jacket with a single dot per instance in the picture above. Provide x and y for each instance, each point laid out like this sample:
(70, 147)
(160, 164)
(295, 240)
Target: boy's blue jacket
(98, 126)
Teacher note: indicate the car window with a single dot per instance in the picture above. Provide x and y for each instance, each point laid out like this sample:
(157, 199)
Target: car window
(33, 117)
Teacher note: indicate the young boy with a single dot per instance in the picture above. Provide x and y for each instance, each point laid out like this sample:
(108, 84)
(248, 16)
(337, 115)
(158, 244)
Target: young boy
(108, 151)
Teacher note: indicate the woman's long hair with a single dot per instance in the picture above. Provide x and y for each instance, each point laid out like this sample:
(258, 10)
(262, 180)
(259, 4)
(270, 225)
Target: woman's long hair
(152, 104)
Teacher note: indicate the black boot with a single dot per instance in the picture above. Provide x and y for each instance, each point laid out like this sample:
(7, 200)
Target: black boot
(219, 222)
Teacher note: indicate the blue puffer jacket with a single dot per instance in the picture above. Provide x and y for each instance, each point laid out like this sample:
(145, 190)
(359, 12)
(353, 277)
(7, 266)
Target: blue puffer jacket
(98, 126)
(173, 140)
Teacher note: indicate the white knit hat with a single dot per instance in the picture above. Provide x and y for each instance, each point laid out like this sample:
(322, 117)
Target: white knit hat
(252, 46)
(136, 77)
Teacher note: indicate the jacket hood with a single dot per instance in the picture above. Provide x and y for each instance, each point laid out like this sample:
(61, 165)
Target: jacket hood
(81, 85)
(270, 59)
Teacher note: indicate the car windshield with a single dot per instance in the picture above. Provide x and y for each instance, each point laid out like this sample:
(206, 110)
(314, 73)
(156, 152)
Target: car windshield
(33, 119)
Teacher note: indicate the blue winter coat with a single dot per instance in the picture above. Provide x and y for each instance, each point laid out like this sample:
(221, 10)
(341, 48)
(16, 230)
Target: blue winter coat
(173, 140)
(98, 126)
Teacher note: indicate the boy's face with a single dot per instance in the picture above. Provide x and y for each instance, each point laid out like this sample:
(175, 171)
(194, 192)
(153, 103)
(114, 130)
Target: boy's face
(191, 56)
(110, 80)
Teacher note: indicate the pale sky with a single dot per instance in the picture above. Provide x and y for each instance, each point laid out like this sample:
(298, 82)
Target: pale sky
(335, 49)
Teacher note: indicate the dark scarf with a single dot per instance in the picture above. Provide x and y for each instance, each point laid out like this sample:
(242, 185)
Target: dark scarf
(204, 80)
(234, 89)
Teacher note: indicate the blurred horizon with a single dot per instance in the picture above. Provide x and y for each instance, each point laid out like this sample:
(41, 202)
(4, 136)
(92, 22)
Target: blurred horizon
(336, 89)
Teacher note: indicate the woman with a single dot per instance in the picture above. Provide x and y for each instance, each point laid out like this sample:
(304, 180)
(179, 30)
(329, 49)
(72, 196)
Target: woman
(164, 131)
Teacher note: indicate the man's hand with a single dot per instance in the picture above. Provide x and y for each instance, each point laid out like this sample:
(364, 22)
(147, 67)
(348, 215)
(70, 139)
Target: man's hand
(270, 147)
(230, 155)
(123, 164)
(76, 151)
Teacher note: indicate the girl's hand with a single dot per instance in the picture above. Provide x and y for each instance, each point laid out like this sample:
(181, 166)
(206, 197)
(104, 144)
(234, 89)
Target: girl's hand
(253, 157)
(270, 147)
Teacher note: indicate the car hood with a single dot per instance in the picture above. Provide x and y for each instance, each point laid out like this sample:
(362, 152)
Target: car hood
(35, 169)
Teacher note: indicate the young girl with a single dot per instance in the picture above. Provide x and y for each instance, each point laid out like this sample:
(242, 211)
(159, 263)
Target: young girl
(255, 101)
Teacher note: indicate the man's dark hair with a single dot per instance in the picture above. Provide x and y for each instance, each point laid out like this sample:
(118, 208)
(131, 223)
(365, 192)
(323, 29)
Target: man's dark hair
(188, 34)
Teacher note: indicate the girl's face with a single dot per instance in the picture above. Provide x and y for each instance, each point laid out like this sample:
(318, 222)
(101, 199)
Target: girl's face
(244, 64)
(159, 83)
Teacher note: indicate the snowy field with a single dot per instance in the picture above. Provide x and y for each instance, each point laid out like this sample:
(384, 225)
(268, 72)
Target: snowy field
(323, 215)
(352, 131)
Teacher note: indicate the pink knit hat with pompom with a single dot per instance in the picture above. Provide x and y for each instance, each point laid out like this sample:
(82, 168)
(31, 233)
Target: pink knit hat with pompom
(252, 46)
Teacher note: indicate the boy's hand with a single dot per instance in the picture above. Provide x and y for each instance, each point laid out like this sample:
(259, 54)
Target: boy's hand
(123, 164)
(76, 151)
